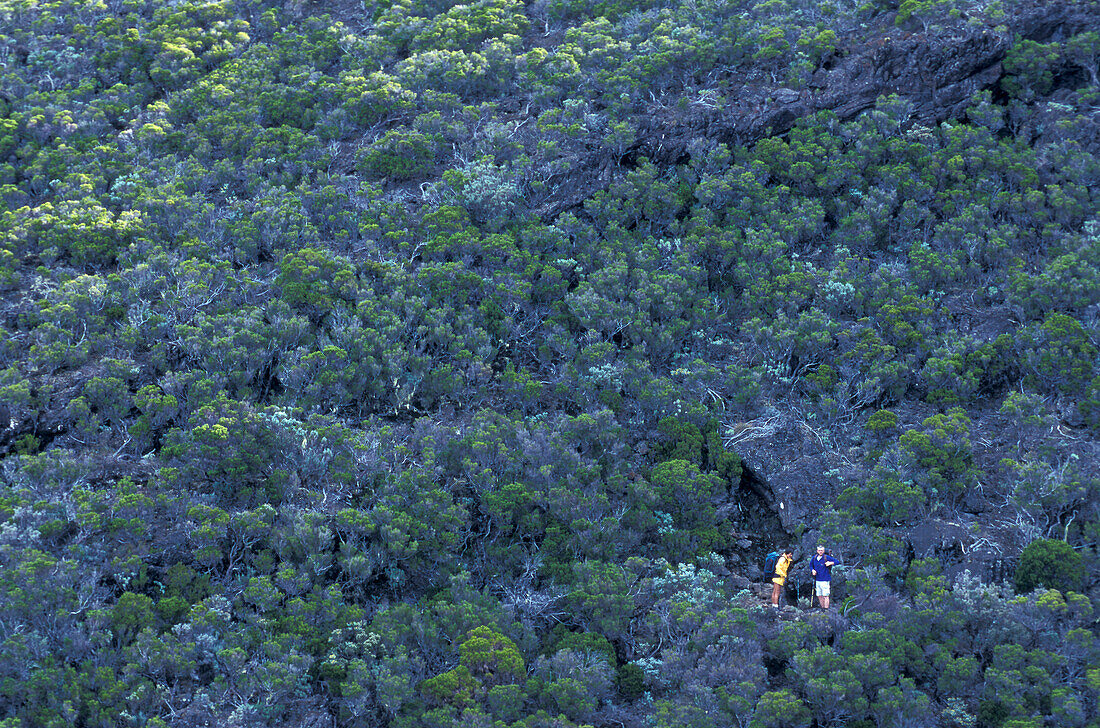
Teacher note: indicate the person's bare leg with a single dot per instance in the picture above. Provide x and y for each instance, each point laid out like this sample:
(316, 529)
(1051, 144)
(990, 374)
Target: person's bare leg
(775, 594)
(824, 602)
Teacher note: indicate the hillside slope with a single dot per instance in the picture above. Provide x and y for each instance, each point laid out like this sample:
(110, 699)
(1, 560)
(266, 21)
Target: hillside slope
(421, 364)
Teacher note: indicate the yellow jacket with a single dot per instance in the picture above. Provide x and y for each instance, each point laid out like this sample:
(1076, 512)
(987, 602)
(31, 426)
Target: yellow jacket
(781, 567)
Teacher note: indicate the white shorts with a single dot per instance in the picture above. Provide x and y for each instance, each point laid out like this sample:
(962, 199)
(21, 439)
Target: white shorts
(821, 588)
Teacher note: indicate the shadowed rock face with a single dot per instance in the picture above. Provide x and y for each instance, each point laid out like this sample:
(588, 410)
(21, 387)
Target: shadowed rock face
(937, 77)
(787, 471)
(938, 72)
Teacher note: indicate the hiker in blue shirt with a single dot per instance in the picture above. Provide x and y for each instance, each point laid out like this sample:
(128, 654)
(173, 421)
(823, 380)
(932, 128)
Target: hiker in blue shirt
(820, 567)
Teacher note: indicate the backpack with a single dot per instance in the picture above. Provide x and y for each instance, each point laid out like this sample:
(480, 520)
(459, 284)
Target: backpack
(769, 565)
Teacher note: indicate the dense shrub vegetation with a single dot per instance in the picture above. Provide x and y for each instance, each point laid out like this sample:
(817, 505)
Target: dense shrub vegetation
(370, 364)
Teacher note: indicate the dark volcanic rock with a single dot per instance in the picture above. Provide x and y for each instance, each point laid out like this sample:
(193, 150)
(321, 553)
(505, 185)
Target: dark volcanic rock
(934, 537)
(938, 71)
(938, 76)
(791, 466)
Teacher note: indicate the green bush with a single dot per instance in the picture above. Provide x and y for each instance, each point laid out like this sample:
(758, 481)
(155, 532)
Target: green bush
(885, 500)
(400, 154)
(940, 454)
(315, 281)
(491, 656)
(1090, 404)
(586, 643)
(1058, 354)
(465, 26)
(690, 497)
(631, 681)
(1050, 563)
(373, 97)
(1029, 69)
(682, 441)
(81, 231)
(232, 449)
(883, 421)
(781, 709)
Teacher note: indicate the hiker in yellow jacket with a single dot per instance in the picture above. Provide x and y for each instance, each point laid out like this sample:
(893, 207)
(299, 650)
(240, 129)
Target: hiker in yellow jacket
(780, 578)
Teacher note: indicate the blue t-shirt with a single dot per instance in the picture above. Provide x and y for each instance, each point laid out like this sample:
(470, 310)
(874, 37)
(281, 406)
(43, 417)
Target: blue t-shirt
(818, 564)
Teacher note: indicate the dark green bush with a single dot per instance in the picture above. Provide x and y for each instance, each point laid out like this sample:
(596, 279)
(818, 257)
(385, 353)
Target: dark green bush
(400, 153)
(682, 441)
(631, 681)
(1050, 563)
(1058, 354)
